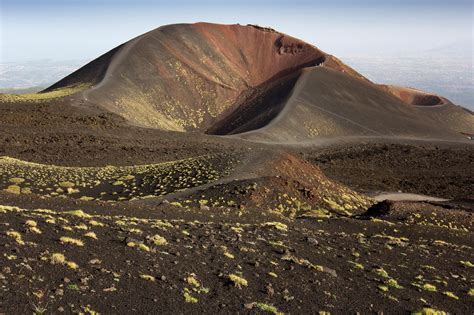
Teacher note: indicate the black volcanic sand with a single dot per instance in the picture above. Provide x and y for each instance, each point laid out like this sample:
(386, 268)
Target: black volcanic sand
(400, 257)
(438, 169)
(339, 265)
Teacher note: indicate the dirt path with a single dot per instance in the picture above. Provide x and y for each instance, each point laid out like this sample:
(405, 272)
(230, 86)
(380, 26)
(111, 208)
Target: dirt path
(398, 196)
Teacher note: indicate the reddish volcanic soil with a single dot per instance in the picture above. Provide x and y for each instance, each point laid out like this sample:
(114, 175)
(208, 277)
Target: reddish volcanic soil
(414, 96)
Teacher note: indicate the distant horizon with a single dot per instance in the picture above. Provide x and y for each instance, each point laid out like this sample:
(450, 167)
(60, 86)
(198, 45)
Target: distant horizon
(367, 35)
(73, 29)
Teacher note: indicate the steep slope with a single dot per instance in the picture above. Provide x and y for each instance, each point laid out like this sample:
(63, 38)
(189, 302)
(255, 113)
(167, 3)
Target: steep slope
(328, 103)
(230, 79)
(414, 96)
(184, 77)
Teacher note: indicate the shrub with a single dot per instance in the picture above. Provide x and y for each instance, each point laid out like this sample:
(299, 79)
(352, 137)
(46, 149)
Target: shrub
(31, 223)
(16, 236)
(13, 189)
(72, 265)
(16, 180)
(188, 298)
(428, 311)
(277, 225)
(66, 184)
(70, 240)
(267, 308)
(78, 213)
(193, 281)
(91, 235)
(158, 240)
(58, 259)
(238, 281)
(144, 247)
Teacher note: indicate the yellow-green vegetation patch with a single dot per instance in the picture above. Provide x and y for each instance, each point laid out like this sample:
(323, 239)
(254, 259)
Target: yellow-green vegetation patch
(113, 183)
(238, 281)
(229, 255)
(381, 272)
(143, 247)
(16, 180)
(277, 225)
(429, 287)
(41, 97)
(31, 223)
(158, 240)
(267, 308)
(96, 223)
(67, 184)
(71, 241)
(80, 226)
(91, 235)
(237, 229)
(467, 263)
(72, 265)
(34, 229)
(428, 311)
(425, 286)
(357, 265)
(383, 288)
(58, 259)
(451, 295)
(393, 283)
(78, 213)
(13, 189)
(188, 298)
(126, 177)
(192, 281)
(17, 236)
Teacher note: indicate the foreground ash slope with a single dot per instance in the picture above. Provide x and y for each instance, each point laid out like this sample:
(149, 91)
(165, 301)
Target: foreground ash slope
(229, 79)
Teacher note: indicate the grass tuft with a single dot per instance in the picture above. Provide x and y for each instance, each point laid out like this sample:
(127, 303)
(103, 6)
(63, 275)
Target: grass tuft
(238, 280)
(17, 236)
(58, 259)
(158, 240)
(71, 241)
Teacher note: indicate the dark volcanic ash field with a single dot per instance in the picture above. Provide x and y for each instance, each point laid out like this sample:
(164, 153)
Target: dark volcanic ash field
(206, 168)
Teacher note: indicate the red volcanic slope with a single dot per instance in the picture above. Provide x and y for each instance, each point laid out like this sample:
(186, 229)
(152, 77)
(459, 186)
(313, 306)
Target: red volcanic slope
(414, 96)
(189, 76)
(228, 79)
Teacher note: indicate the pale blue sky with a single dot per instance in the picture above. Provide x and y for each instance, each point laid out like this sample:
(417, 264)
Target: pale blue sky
(61, 30)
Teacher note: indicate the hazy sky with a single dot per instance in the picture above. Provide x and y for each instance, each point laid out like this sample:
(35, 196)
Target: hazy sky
(62, 29)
